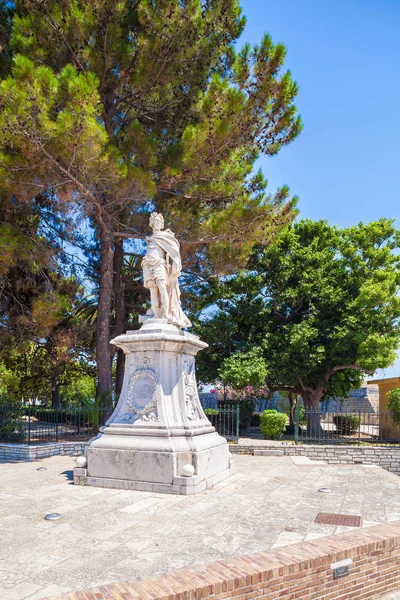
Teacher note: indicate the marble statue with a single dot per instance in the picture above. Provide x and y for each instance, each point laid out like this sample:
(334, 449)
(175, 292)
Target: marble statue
(161, 268)
(158, 438)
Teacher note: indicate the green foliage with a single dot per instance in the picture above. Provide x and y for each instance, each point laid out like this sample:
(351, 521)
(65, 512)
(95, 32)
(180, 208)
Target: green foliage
(272, 424)
(302, 414)
(87, 417)
(393, 398)
(335, 310)
(347, 424)
(211, 411)
(246, 409)
(244, 369)
(320, 303)
(9, 382)
(149, 99)
(112, 108)
(11, 422)
(79, 392)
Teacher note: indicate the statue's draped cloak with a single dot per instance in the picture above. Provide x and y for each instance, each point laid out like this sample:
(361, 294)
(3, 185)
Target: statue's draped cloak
(168, 242)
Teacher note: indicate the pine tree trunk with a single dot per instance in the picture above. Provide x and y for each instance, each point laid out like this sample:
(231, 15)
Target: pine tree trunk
(54, 374)
(55, 390)
(311, 400)
(119, 306)
(103, 349)
(293, 402)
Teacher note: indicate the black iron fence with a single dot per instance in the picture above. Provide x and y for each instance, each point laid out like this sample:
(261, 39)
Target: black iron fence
(36, 425)
(358, 428)
(225, 419)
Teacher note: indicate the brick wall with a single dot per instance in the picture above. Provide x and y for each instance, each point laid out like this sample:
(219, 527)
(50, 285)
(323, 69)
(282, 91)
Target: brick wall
(386, 457)
(34, 452)
(296, 572)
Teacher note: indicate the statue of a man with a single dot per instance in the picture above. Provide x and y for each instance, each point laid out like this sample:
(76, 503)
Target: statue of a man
(161, 268)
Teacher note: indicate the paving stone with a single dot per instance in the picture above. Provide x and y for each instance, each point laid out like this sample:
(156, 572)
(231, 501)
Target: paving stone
(20, 591)
(105, 536)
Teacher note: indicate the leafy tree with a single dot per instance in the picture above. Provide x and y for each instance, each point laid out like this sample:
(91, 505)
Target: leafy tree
(393, 405)
(39, 332)
(9, 382)
(322, 306)
(116, 107)
(78, 390)
(245, 368)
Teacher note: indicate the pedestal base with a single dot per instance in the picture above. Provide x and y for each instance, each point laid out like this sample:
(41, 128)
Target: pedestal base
(158, 438)
(173, 465)
(180, 485)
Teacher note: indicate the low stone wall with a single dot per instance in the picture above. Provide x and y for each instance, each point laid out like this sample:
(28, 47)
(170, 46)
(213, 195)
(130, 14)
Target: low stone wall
(386, 457)
(34, 452)
(369, 560)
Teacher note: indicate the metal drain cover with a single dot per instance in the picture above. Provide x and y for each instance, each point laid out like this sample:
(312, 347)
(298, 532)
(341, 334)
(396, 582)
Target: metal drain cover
(325, 490)
(52, 517)
(332, 519)
(41, 469)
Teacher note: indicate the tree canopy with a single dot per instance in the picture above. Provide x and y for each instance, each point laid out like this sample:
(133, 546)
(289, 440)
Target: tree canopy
(314, 311)
(113, 108)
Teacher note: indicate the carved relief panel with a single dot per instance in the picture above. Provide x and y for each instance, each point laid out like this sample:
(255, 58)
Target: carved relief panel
(142, 395)
(191, 395)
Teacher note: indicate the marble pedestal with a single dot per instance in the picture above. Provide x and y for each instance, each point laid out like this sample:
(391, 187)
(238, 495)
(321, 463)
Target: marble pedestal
(158, 438)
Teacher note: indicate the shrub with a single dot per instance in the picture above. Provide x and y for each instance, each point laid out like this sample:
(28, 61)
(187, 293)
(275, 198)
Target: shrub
(211, 411)
(272, 424)
(393, 398)
(347, 424)
(11, 424)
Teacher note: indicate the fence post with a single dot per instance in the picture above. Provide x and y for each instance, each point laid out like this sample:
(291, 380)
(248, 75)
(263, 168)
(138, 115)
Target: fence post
(237, 420)
(296, 423)
(56, 411)
(29, 424)
(359, 428)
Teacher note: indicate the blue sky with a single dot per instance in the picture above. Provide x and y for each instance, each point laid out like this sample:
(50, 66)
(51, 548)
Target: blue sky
(345, 56)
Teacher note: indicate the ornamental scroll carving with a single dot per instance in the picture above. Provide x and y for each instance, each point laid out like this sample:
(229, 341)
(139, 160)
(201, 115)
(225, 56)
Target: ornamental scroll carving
(142, 397)
(191, 398)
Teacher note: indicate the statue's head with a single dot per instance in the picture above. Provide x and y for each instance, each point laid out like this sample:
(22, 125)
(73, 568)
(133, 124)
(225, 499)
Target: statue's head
(156, 221)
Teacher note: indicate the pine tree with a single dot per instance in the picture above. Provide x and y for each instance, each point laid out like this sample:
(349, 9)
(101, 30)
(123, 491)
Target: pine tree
(120, 106)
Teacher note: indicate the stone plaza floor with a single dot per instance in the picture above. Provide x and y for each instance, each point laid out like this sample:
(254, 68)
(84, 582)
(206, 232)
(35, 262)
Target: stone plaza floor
(106, 535)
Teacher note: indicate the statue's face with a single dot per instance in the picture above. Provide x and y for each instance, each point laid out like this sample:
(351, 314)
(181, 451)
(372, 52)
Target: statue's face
(157, 222)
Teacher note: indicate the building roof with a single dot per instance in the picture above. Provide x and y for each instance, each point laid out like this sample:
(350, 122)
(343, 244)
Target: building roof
(387, 379)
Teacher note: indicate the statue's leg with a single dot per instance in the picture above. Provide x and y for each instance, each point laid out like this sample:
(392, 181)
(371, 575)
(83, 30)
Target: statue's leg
(164, 298)
(155, 300)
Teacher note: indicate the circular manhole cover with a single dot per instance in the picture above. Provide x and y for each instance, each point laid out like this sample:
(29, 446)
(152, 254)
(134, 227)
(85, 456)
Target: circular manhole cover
(325, 490)
(52, 517)
(41, 469)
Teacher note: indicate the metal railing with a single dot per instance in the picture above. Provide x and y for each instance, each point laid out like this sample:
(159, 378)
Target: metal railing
(356, 428)
(226, 420)
(37, 425)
